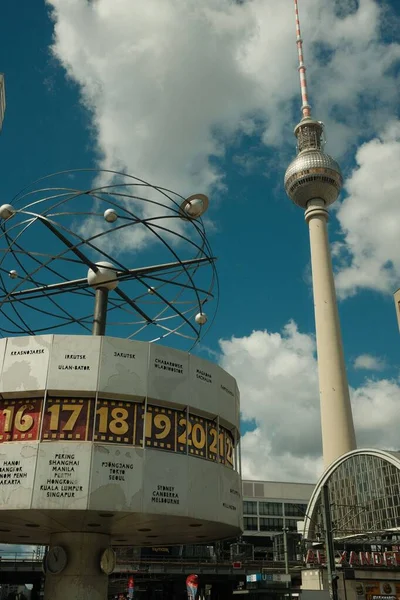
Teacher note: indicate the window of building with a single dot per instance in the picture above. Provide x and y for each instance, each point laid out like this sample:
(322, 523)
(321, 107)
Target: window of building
(271, 524)
(271, 508)
(295, 510)
(259, 490)
(250, 523)
(248, 488)
(249, 508)
(291, 524)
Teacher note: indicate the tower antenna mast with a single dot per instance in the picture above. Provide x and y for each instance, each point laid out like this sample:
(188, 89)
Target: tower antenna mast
(305, 107)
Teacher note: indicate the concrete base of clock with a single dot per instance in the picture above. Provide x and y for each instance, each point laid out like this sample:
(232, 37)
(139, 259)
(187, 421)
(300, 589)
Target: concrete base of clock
(82, 578)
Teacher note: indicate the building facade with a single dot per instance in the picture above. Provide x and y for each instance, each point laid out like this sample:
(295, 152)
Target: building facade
(270, 507)
(364, 504)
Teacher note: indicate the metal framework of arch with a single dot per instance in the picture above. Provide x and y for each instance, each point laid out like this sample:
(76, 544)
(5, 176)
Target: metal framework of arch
(364, 487)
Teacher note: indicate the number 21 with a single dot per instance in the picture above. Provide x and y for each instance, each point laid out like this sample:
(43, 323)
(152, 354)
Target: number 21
(213, 446)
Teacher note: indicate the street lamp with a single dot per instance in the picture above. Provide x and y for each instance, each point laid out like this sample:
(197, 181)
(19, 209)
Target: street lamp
(330, 548)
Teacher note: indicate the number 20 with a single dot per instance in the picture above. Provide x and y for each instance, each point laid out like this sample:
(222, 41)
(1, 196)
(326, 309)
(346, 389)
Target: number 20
(193, 434)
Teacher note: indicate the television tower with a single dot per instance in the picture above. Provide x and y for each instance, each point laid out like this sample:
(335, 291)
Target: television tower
(313, 181)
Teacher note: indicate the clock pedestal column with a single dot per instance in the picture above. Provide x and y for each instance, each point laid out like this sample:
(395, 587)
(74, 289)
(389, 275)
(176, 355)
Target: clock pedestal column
(81, 578)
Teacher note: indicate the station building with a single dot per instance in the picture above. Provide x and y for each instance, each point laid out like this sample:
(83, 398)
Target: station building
(269, 508)
(364, 497)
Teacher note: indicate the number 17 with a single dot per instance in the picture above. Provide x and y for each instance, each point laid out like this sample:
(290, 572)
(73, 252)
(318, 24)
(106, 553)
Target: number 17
(74, 409)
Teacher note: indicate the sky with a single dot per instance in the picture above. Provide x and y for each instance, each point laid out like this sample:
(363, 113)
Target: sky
(203, 97)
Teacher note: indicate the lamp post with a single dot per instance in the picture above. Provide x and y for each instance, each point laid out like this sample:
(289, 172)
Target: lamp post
(286, 558)
(285, 550)
(329, 543)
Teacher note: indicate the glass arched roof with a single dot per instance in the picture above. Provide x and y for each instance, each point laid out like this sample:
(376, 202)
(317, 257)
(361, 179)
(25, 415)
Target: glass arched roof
(364, 493)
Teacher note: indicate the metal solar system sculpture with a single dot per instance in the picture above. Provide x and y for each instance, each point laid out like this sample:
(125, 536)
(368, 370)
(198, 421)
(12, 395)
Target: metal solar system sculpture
(55, 231)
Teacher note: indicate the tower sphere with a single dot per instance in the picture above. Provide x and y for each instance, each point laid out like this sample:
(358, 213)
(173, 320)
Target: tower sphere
(313, 174)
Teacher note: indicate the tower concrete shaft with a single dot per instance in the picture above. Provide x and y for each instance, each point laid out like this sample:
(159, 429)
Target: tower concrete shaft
(338, 435)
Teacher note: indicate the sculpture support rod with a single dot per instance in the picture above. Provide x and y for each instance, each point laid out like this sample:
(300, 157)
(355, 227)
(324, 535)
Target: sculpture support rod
(100, 311)
(122, 276)
(338, 435)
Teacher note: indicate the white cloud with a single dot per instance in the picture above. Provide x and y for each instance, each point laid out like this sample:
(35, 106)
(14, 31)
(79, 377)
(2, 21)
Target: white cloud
(369, 362)
(376, 414)
(277, 377)
(161, 77)
(370, 218)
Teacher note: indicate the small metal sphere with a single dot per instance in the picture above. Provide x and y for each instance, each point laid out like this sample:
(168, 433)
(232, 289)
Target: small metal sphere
(313, 174)
(201, 318)
(194, 207)
(105, 277)
(13, 274)
(110, 215)
(6, 211)
(151, 290)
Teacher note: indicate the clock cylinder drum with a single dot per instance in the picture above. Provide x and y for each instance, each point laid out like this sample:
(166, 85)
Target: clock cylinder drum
(133, 440)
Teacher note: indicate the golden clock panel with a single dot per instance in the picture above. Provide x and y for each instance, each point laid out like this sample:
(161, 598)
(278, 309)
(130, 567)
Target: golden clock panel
(115, 422)
(161, 428)
(197, 436)
(229, 449)
(20, 419)
(215, 442)
(68, 419)
(182, 437)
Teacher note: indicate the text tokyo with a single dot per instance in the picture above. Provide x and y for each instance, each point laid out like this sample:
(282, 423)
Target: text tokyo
(356, 559)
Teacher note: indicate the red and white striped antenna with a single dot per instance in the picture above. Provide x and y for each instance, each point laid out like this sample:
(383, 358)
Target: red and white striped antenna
(305, 107)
